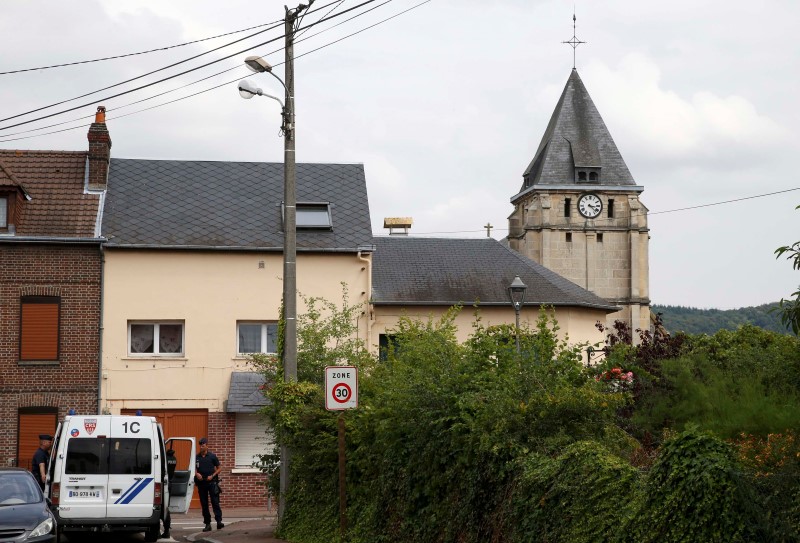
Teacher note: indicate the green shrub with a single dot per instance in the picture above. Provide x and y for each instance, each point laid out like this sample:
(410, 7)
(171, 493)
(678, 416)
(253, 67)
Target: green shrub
(696, 491)
(584, 495)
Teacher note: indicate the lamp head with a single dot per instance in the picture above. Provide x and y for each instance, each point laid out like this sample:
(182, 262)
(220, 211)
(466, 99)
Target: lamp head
(247, 89)
(257, 64)
(516, 292)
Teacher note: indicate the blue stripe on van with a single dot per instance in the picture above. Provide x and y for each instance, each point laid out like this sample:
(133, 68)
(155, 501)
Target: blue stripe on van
(133, 491)
(126, 492)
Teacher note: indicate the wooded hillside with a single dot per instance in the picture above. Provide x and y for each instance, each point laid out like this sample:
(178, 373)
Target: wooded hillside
(709, 321)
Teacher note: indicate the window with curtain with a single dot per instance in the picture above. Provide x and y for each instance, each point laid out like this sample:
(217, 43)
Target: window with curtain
(155, 338)
(257, 337)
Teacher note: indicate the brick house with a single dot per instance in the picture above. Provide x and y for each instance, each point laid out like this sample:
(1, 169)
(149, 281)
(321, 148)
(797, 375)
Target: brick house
(50, 291)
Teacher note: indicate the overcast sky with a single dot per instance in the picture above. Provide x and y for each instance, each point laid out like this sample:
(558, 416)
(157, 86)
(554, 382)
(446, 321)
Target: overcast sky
(446, 104)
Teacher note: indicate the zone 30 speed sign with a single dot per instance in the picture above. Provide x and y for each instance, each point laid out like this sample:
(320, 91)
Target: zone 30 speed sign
(341, 388)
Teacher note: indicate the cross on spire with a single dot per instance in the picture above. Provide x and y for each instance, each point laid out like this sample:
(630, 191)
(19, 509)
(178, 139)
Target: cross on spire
(574, 42)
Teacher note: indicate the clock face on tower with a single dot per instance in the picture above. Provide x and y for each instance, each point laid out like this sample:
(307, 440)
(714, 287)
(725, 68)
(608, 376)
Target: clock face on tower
(590, 205)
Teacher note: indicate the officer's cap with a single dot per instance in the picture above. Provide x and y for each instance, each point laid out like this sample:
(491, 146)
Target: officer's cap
(45, 437)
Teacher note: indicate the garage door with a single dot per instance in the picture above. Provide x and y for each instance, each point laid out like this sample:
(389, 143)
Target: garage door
(179, 423)
(33, 422)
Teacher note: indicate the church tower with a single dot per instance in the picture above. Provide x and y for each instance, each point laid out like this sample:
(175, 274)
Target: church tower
(578, 211)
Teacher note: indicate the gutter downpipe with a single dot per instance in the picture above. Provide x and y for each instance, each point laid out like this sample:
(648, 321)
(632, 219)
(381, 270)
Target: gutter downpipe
(368, 265)
(100, 332)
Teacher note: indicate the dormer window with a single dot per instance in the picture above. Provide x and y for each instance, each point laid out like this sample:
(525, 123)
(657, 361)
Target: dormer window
(584, 174)
(3, 212)
(314, 215)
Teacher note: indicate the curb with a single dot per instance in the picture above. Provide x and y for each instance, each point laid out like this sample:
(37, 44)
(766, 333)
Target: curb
(199, 537)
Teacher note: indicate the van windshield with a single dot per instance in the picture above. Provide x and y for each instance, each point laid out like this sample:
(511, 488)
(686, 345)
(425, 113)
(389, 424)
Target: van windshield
(109, 456)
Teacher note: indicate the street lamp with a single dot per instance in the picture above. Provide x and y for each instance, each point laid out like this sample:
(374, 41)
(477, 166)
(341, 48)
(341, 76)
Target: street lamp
(516, 293)
(247, 90)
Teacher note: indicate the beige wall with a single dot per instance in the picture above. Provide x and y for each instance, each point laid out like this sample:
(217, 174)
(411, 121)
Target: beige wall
(209, 292)
(578, 324)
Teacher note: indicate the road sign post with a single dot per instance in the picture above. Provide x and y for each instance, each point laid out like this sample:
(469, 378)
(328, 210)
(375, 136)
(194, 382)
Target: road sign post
(341, 393)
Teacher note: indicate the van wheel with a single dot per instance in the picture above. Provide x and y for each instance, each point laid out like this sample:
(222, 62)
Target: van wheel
(151, 535)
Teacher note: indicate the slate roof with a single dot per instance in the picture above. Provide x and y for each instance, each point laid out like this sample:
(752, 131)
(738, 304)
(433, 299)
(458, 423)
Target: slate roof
(245, 394)
(204, 204)
(576, 136)
(59, 206)
(444, 271)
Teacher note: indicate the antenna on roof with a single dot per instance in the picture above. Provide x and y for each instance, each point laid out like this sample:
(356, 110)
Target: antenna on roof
(574, 42)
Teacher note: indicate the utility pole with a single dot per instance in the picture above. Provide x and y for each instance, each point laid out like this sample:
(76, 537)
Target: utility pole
(289, 238)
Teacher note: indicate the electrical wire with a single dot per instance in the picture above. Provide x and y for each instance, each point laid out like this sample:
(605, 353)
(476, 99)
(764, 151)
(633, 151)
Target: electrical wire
(363, 29)
(614, 219)
(156, 50)
(8, 139)
(340, 2)
(135, 78)
(166, 78)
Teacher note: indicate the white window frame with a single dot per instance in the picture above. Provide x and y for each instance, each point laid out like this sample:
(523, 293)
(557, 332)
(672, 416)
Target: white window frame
(156, 334)
(3, 212)
(264, 326)
(251, 439)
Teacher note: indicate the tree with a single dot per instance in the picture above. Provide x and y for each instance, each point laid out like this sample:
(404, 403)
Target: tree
(789, 310)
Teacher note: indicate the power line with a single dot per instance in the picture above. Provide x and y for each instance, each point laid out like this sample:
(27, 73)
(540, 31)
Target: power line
(8, 139)
(166, 78)
(632, 215)
(158, 49)
(340, 2)
(366, 28)
(133, 79)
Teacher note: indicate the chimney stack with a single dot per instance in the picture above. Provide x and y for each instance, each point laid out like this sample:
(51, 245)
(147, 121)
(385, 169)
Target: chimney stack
(99, 151)
(398, 226)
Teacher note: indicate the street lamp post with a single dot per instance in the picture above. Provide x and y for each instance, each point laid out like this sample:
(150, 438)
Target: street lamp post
(516, 293)
(247, 90)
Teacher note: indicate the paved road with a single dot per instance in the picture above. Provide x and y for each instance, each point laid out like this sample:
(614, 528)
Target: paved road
(182, 527)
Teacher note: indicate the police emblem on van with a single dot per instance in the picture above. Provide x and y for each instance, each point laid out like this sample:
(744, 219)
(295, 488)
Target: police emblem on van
(90, 425)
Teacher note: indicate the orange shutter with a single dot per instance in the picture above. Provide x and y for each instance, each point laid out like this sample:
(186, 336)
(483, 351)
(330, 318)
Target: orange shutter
(39, 335)
(30, 426)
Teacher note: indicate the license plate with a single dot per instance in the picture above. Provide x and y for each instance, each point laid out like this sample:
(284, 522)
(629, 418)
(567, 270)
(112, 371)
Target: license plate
(84, 493)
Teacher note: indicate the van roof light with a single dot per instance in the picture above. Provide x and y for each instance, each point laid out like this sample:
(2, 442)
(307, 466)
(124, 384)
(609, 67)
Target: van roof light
(71, 411)
(138, 412)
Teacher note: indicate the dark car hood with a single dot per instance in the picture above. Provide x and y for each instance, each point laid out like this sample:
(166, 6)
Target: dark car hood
(27, 516)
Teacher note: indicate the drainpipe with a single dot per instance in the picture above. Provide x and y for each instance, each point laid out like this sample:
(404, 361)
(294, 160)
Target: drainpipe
(368, 266)
(100, 333)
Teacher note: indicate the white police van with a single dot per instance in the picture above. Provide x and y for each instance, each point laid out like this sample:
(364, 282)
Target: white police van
(109, 473)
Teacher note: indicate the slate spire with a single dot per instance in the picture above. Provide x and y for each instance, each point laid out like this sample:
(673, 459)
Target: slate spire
(576, 137)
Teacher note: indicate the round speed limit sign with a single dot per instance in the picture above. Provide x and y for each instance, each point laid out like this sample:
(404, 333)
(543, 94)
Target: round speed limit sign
(341, 388)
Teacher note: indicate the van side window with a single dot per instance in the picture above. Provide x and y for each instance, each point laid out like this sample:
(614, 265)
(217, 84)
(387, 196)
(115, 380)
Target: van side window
(86, 457)
(129, 456)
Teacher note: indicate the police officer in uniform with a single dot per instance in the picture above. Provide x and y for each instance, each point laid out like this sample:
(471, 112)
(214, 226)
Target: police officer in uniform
(41, 459)
(172, 463)
(207, 471)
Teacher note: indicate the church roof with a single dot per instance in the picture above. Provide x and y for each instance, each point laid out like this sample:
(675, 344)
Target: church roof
(445, 271)
(576, 137)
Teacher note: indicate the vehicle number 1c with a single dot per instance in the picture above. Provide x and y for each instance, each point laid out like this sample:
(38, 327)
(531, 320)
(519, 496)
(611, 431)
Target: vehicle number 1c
(131, 427)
